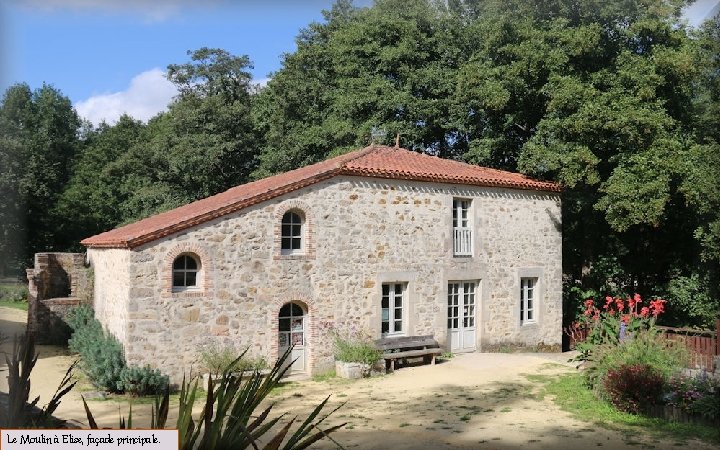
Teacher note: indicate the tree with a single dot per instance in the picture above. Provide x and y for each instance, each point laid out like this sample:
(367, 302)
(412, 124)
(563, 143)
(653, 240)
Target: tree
(616, 101)
(93, 197)
(204, 144)
(40, 138)
(390, 68)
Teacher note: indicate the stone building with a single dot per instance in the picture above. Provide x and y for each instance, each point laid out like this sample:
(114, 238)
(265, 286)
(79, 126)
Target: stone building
(381, 241)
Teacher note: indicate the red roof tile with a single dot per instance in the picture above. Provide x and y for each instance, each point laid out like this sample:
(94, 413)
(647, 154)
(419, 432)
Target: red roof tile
(374, 161)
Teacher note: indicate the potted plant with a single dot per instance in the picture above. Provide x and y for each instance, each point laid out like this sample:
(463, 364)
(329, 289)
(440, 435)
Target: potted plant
(356, 356)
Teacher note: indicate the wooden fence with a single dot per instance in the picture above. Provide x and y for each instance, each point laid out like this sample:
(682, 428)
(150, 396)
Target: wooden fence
(703, 344)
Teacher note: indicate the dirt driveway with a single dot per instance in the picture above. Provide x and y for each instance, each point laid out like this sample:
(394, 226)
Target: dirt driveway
(476, 400)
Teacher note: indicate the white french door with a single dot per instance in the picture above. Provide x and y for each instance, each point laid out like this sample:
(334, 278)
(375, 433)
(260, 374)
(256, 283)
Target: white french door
(461, 316)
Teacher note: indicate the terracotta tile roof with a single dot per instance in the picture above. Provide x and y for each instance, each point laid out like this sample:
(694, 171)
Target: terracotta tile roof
(374, 161)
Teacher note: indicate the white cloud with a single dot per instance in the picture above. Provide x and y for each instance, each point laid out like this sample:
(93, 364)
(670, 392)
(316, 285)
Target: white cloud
(261, 82)
(148, 94)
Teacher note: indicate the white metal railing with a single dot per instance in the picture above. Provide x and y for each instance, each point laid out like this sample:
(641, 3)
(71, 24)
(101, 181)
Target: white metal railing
(462, 242)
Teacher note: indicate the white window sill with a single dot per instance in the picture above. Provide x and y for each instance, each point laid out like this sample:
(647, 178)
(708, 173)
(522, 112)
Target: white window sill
(176, 290)
(392, 335)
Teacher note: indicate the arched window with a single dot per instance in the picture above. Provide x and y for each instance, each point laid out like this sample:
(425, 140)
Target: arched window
(291, 233)
(185, 272)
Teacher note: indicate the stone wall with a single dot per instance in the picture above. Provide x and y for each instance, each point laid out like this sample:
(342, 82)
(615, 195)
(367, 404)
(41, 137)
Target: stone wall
(57, 283)
(112, 289)
(364, 232)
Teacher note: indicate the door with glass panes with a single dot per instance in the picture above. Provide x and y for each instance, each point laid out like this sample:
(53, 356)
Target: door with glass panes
(461, 316)
(291, 332)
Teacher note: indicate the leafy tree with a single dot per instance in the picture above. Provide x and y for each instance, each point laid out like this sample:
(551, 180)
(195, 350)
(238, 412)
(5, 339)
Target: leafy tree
(204, 144)
(92, 199)
(390, 67)
(12, 205)
(616, 101)
(40, 132)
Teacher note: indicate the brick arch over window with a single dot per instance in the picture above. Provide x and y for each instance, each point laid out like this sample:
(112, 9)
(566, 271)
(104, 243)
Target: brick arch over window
(308, 230)
(204, 280)
(311, 327)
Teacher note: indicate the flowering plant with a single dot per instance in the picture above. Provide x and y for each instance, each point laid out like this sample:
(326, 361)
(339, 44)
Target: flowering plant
(696, 395)
(633, 388)
(615, 321)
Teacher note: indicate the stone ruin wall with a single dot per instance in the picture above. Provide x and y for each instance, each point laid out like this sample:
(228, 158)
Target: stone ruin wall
(57, 283)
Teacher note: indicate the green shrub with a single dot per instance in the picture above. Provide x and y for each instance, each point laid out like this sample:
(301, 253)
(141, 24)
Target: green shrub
(215, 360)
(633, 388)
(142, 381)
(646, 347)
(13, 292)
(102, 357)
(359, 349)
(690, 303)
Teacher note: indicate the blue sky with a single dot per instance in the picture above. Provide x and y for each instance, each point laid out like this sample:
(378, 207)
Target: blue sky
(108, 56)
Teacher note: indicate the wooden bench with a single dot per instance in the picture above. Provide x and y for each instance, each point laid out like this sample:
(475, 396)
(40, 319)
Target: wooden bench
(404, 347)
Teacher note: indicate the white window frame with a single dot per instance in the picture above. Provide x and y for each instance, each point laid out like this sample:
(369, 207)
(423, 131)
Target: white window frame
(462, 227)
(393, 315)
(185, 271)
(291, 318)
(461, 291)
(528, 300)
(291, 236)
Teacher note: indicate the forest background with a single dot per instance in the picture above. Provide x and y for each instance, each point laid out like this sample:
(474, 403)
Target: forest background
(618, 101)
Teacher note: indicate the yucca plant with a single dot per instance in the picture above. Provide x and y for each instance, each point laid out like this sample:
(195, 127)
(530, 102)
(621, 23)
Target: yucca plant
(19, 412)
(228, 418)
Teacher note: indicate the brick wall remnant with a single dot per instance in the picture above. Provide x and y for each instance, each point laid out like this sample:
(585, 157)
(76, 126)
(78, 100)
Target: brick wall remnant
(57, 283)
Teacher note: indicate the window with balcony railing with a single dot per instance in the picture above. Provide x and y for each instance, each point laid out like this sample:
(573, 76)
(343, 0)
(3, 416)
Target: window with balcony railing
(462, 231)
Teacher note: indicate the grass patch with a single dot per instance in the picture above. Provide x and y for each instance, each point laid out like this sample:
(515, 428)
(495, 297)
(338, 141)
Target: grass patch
(14, 304)
(573, 396)
(552, 366)
(14, 295)
(329, 375)
(284, 387)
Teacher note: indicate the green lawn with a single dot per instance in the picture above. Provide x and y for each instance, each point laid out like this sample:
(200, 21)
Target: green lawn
(573, 396)
(13, 304)
(13, 295)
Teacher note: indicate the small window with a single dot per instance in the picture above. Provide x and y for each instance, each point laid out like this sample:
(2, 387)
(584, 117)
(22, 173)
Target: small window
(392, 305)
(185, 272)
(527, 300)
(462, 231)
(291, 233)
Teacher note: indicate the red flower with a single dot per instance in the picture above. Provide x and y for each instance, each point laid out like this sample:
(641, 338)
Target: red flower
(608, 302)
(645, 312)
(657, 306)
(637, 298)
(626, 318)
(619, 304)
(632, 301)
